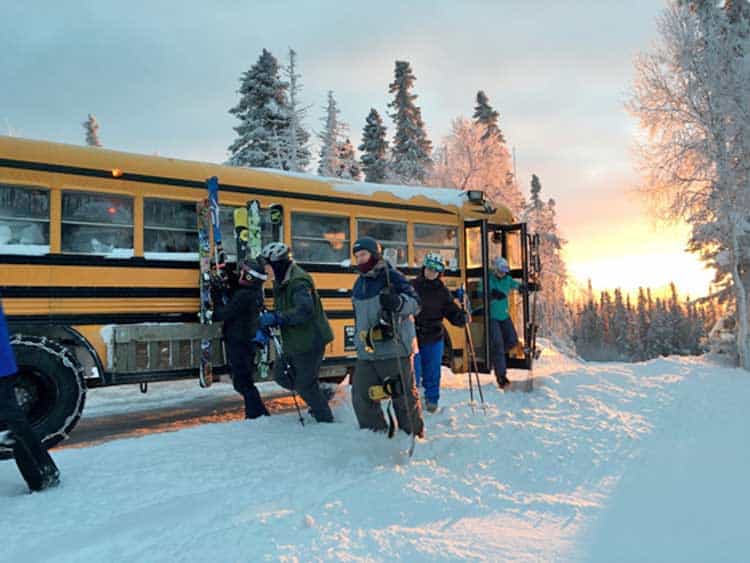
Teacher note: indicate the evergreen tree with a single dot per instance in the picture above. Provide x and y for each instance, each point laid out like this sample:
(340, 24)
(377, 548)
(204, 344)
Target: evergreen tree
(487, 117)
(348, 165)
(297, 138)
(330, 140)
(410, 156)
(619, 327)
(264, 117)
(91, 125)
(374, 149)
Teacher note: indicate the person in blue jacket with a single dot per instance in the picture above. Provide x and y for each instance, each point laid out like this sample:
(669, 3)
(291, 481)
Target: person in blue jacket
(502, 331)
(33, 460)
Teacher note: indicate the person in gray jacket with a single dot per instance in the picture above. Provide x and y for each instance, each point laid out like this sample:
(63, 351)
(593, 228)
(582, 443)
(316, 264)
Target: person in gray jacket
(384, 307)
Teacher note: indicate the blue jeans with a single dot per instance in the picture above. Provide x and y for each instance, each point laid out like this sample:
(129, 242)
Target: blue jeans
(427, 369)
(504, 338)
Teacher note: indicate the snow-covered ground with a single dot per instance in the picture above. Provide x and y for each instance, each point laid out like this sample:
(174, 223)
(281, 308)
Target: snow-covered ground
(602, 462)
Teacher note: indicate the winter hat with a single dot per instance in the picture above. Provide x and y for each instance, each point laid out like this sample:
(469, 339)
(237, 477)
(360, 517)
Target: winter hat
(501, 265)
(369, 244)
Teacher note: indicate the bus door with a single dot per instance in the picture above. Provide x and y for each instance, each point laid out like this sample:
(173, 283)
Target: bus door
(483, 243)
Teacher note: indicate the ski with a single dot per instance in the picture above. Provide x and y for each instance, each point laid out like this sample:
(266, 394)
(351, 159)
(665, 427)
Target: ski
(253, 248)
(254, 229)
(240, 234)
(203, 209)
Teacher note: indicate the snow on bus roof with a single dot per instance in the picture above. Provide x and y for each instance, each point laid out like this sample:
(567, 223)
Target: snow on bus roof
(443, 196)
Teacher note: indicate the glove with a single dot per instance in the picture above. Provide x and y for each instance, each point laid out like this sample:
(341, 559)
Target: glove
(497, 294)
(523, 288)
(460, 293)
(390, 300)
(217, 281)
(269, 319)
(261, 337)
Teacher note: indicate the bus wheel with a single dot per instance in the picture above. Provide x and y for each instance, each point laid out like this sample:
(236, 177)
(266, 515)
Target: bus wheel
(50, 387)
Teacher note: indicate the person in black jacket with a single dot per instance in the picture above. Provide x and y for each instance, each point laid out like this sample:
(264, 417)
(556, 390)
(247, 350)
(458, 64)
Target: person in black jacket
(33, 460)
(437, 304)
(241, 321)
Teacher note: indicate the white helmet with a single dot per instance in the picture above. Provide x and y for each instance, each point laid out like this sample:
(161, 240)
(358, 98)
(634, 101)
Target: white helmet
(501, 265)
(275, 252)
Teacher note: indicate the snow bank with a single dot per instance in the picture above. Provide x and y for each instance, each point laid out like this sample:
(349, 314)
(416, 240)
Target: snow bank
(550, 475)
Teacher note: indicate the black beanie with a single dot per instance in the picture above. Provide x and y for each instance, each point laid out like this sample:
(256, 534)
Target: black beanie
(369, 244)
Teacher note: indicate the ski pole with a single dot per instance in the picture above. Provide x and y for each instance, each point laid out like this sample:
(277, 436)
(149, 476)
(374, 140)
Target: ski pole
(288, 370)
(388, 253)
(472, 356)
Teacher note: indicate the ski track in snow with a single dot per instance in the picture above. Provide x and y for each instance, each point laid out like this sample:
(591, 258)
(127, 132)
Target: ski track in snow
(535, 479)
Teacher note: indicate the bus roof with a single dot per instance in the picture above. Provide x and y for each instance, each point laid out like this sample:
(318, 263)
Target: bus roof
(62, 158)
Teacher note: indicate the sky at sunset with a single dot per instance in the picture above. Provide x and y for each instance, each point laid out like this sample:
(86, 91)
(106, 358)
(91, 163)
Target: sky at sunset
(160, 77)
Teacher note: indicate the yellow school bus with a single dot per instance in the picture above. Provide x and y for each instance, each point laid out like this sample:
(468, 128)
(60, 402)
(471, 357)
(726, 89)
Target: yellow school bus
(99, 264)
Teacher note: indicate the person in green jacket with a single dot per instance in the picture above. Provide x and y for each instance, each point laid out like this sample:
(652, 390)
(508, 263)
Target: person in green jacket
(304, 328)
(502, 332)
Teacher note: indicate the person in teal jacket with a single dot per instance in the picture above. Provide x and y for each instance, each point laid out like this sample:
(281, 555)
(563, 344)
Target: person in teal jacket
(502, 332)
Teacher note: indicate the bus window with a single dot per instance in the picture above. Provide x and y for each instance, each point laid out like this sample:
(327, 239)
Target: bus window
(169, 227)
(389, 234)
(24, 220)
(473, 247)
(442, 239)
(97, 224)
(323, 239)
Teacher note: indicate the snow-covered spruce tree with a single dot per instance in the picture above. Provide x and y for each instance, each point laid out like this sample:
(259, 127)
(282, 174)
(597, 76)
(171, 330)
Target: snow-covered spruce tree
(264, 117)
(348, 165)
(374, 149)
(91, 125)
(474, 156)
(297, 137)
(486, 116)
(691, 95)
(411, 149)
(330, 140)
(554, 315)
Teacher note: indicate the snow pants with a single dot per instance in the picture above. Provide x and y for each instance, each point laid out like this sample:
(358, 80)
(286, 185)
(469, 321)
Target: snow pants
(427, 369)
(241, 362)
(369, 413)
(33, 460)
(504, 338)
(303, 378)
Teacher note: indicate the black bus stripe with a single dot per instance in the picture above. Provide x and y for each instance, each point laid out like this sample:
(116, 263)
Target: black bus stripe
(195, 184)
(129, 318)
(138, 262)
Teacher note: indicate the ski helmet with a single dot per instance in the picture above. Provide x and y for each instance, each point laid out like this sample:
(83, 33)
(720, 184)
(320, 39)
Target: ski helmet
(501, 265)
(434, 261)
(275, 252)
(253, 271)
(369, 244)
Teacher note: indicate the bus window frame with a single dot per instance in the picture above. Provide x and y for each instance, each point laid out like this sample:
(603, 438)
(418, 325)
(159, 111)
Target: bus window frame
(127, 195)
(436, 247)
(19, 248)
(162, 255)
(347, 241)
(388, 243)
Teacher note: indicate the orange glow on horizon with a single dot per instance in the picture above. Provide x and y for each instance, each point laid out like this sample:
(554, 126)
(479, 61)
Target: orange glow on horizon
(633, 256)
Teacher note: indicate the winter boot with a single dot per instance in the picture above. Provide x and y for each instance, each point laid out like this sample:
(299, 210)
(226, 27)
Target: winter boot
(502, 382)
(430, 407)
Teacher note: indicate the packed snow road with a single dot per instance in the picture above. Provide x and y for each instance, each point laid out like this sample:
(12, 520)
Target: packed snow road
(580, 469)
